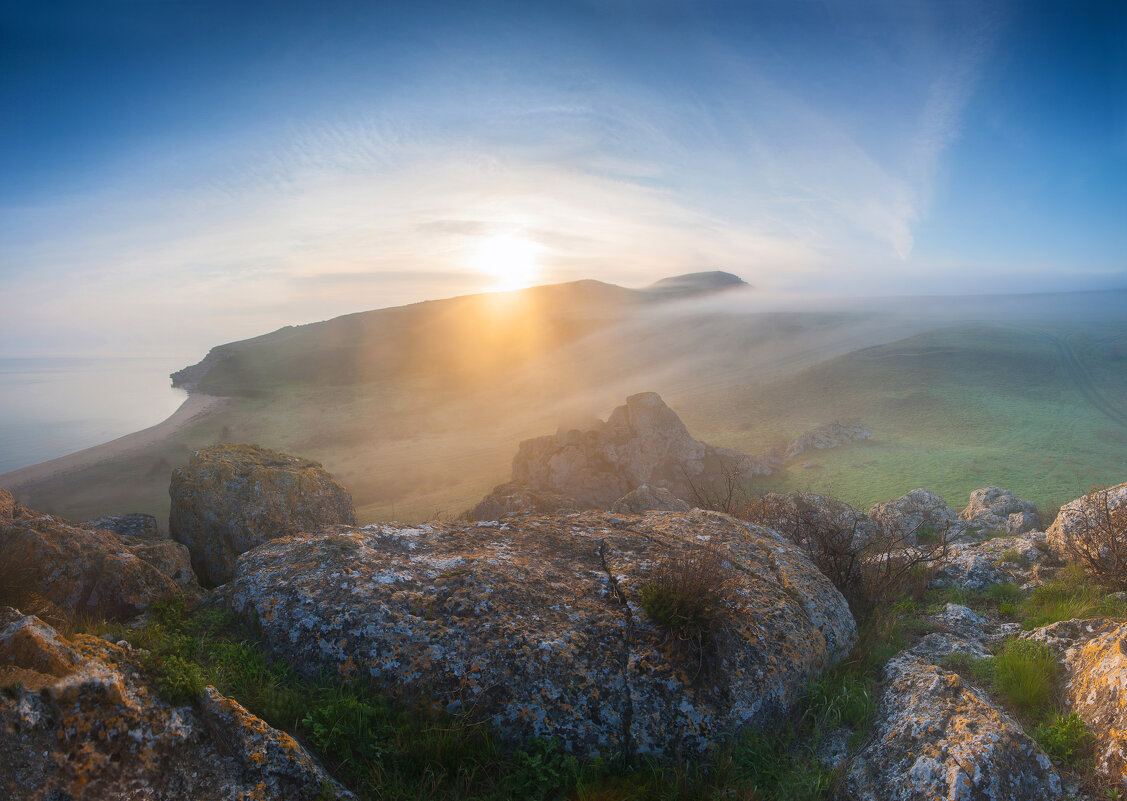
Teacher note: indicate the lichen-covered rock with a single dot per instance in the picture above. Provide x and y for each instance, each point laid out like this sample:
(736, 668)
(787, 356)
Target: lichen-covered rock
(991, 509)
(1002, 560)
(231, 498)
(1094, 654)
(1088, 517)
(535, 624)
(649, 499)
(77, 721)
(134, 524)
(915, 512)
(85, 571)
(642, 442)
(935, 737)
(7, 505)
(520, 498)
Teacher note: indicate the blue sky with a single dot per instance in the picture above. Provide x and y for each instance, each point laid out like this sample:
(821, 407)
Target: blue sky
(176, 175)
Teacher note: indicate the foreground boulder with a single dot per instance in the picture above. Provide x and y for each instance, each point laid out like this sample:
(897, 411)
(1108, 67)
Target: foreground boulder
(995, 509)
(920, 512)
(535, 624)
(936, 737)
(1002, 560)
(642, 442)
(231, 498)
(1095, 523)
(63, 570)
(78, 722)
(519, 498)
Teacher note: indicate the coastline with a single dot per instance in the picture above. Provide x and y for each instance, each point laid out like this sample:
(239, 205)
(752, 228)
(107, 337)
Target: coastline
(195, 407)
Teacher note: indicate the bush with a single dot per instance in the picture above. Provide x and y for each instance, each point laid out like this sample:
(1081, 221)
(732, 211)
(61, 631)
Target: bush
(1026, 675)
(688, 593)
(1094, 535)
(1065, 738)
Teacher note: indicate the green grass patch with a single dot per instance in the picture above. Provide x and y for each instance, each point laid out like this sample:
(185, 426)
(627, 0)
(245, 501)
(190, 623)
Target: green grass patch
(1072, 594)
(1065, 739)
(1026, 675)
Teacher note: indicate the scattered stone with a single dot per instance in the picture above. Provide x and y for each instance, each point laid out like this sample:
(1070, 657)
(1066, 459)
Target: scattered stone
(78, 722)
(831, 435)
(911, 514)
(535, 624)
(935, 737)
(994, 509)
(231, 498)
(642, 443)
(134, 524)
(649, 499)
(1087, 514)
(520, 498)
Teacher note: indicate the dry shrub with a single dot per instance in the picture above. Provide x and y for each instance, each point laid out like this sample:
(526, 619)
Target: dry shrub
(1095, 537)
(688, 593)
(869, 566)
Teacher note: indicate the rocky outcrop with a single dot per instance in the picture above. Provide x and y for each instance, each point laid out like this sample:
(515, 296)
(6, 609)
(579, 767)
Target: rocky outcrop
(798, 512)
(231, 498)
(977, 565)
(936, 737)
(134, 524)
(77, 721)
(643, 442)
(649, 499)
(65, 570)
(1087, 520)
(520, 498)
(535, 624)
(915, 513)
(995, 509)
(831, 435)
(1094, 654)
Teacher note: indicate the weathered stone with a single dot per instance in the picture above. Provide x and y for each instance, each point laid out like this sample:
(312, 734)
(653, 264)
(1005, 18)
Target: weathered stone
(643, 442)
(231, 498)
(535, 624)
(1089, 517)
(7, 506)
(935, 737)
(977, 565)
(1094, 654)
(134, 524)
(77, 721)
(83, 571)
(809, 511)
(519, 498)
(990, 509)
(649, 499)
(831, 435)
(914, 513)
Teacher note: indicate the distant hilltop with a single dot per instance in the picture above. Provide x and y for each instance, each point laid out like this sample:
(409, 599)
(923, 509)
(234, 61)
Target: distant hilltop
(693, 283)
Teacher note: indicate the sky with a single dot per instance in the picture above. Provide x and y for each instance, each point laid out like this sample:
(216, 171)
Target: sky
(174, 175)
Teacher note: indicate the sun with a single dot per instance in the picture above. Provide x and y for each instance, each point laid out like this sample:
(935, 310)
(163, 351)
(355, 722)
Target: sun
(510, 258)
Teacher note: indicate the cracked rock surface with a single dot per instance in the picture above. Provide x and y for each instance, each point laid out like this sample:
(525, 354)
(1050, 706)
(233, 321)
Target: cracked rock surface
(534, 624)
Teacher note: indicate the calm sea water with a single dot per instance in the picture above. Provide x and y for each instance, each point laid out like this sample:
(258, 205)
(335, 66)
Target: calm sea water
(52, 407)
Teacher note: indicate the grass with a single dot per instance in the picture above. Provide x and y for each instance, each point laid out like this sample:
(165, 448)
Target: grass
(1072, 594)
(1026, 675)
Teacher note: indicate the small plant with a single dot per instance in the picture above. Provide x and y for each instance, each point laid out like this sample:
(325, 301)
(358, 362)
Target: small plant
(1065, 738)
(1014, 556)
(1025, 675)
(688, 593)
(979, 670)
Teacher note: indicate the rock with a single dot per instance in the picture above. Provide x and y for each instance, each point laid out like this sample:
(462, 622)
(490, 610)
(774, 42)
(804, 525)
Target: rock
(1094, 654)
(134, 524)
(810, 511)
(1090, 517)
(911, 514)
(77, 721)
(649, 499)
(517, 498)
(61, 569)
(991, 509)
(231, 498)
(643, 442)
(7, 506)
(1003, 560)
(936, 737)
(831, 435)
(535, 624)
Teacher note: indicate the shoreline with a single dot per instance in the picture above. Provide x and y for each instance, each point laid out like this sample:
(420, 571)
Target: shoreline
(194, 407)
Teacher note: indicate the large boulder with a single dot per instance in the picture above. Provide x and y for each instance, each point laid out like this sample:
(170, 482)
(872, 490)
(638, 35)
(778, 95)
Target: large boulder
(995, 509)
(918, 512)
(831, 435)
(642, 442)
(536, 625)
(134, 524)
(61, 570)
(231, 498)
(77, 721)
(937, 737)
(519, 498)
(1091, 523)
(1002, 560)
(649, 499)
(1094, 655)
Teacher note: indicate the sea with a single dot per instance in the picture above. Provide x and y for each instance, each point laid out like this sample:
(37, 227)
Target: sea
(56, 406)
